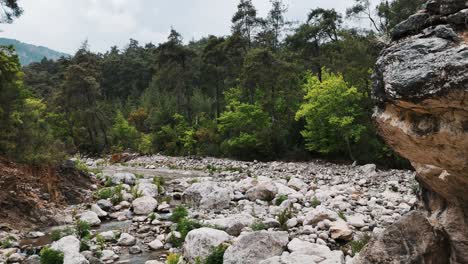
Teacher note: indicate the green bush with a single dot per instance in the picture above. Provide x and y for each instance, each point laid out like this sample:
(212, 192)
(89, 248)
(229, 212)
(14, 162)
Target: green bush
(358, 245)
(280, 199)
(82, 229)
(136, 193)
(104, 193)
(334, 114)
(124, 136)
(159, 181)
(173, 258)
(245, 129)
(50, 256)
(84, 244)
(179, 213)
(56, 235)
(258, 226)
(315, 202)
(283, 217)
(217, 256)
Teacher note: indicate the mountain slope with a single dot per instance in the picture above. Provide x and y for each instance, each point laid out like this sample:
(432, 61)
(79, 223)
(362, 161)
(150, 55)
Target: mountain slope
(30, 53)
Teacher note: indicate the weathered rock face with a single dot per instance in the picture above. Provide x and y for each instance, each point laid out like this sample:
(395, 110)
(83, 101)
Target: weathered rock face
(421, 89)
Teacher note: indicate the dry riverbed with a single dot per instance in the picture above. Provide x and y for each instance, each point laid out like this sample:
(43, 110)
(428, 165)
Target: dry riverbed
(151, 208)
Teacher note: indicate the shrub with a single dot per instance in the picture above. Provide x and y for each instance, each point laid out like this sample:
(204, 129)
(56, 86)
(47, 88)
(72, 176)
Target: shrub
(117, 195)
(82, 229)
(217, 256)
(152, 216)
(159, 181)
(100, 241)
(179, 213)
(281, 199)
(136, 193)
(104, 193)
(124, 136)
(55, 235)
(283, 217)
(50, 256)
(315, 202)
(79, 165)
(258, 226)
(172, 258)
(342, 215)
(358, 245)
(6, 243)
(84, 244)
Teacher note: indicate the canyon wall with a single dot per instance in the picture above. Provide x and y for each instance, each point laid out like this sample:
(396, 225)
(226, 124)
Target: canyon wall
(421, 94)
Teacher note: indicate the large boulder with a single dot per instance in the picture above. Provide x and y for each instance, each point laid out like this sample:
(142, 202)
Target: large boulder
(320, 253)
(123, 177)
(410, 240)
(420, 87)
(207, 195)
(148, 189)
(90, 217)
(70, 247)
(318, 214)
(251, 248)
(144, 205)
(126, 240)
(265, 191)
(233, 224)
(201, 242)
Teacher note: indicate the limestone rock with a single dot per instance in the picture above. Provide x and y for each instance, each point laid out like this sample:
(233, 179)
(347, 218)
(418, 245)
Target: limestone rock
(126, 240)
(265, 191)
(123, 177)
(156, 244)
(233, 224)
(421, 86)
(340, 230)
(208, 195)
(90, 217)
(70, 247)
(318, 214)
(144, 205)
(201, 242)
(251, 248)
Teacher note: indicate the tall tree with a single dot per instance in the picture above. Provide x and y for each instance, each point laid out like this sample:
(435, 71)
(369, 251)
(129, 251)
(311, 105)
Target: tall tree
(245, 20)
(386, 14)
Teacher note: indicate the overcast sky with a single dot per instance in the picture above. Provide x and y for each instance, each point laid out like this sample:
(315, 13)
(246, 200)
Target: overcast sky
(64, 24)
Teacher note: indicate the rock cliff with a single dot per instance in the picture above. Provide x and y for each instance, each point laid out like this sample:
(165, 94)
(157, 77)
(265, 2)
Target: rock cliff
(421, 90)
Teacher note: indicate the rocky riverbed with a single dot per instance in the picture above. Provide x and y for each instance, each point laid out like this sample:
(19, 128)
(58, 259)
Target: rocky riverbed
(258, 212)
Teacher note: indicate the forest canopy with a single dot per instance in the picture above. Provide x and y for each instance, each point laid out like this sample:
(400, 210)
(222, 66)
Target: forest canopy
(272, 89)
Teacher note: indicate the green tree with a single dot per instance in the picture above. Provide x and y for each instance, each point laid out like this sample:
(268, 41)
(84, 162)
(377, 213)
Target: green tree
(386, 14)
(9, 10)
(332, 111)
(245, 129)
(124, 136)
(245, 20)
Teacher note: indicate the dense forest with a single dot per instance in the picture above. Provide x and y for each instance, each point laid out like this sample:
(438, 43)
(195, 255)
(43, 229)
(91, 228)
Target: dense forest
(272, 89)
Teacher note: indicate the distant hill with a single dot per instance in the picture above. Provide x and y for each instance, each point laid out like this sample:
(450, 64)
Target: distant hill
(30, 53)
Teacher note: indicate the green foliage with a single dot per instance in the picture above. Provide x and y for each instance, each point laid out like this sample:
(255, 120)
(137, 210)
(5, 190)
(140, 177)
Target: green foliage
(82, 229)
(56, 235)
(6, 243)
(245, 128)
(80, 165)
(100, 241)
(179, 213)
(258, 226)
(84, 244)
(104, 193)
(124, 136)
(358, 245)
(172, 258)
(332, 111)
(152, 216)
(136, 192)
(342, 215)
(50, 256)
(117, 195)
(217, 256)
(159, 181)
(315, 202)
(280, 199)
(283, 217)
